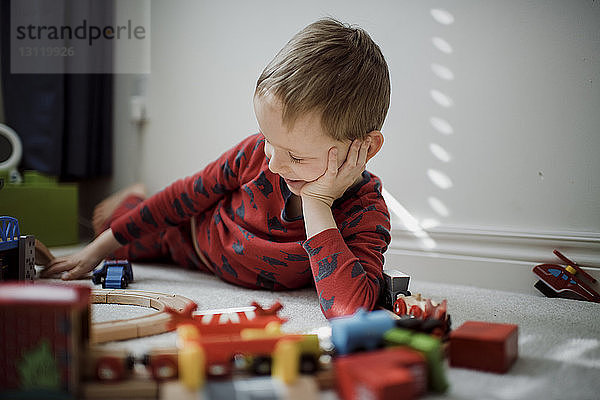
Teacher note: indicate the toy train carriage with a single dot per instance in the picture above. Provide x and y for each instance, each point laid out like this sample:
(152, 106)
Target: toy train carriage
(229, 321)
(17, 253)
(264, 350)
(114, 274)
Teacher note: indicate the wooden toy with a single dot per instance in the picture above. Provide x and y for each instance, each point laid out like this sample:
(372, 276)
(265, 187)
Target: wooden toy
(228, 321)
(136, 388)
(424, 309)
(362, 330)
(41, 353)
(485, 346)
(114, 274)
(394, 373)
(220, 351)
(147, 325)
(430, 347)
(558, 281)
(305, 388)
(395, 283)
(17, 253)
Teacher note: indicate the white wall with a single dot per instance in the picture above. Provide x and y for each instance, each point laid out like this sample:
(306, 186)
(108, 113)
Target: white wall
(523, 107)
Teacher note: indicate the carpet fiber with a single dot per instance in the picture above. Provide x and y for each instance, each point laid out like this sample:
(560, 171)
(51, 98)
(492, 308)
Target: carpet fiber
(559, 339)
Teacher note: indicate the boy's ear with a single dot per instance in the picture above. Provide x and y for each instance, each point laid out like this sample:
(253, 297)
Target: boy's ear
(376, 143)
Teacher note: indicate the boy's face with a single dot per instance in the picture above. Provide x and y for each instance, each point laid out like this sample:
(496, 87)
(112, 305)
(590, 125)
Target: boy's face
(299, 154)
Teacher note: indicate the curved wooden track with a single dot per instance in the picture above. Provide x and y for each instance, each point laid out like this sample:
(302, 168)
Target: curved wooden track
(147, 325)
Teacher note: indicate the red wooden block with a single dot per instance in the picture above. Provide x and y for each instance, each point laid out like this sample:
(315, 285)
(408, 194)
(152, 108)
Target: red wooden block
(485, 346)
(397, 373)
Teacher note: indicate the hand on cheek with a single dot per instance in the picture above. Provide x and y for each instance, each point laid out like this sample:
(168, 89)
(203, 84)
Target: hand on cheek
(339, 175)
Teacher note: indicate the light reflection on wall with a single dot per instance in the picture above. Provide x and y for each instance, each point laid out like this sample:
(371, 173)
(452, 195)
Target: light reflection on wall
(439, 178)
(436, 175)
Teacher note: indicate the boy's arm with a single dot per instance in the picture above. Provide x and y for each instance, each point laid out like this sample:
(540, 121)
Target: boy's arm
(190, 196)
(347, 262)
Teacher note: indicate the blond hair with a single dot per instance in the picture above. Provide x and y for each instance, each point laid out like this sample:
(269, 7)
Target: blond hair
(334, 69)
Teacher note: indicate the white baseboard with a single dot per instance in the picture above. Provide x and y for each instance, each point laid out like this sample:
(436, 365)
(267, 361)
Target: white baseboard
(488, 258)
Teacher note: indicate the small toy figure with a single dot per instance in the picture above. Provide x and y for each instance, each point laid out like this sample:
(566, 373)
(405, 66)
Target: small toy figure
(558, 281)
(114, 274)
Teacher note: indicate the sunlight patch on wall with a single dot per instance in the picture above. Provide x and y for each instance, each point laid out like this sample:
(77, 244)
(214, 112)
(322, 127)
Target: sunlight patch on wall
(442, 45)
(439, 152)
(408, 220)
(439, 179)
(442, 16)
(441, 125)
(441, 98)
(442, 72)
(438, 206)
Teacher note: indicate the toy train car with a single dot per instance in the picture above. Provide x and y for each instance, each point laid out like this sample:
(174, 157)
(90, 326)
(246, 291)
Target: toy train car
(114, 274)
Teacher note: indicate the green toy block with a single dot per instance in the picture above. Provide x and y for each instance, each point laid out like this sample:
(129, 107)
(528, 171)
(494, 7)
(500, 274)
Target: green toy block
(427, 345)
(45, 208)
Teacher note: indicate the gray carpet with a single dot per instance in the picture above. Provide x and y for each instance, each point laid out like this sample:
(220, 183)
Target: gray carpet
(559, 339)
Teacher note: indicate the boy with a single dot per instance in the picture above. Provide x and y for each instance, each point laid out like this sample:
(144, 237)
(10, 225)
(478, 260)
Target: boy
(288, 206)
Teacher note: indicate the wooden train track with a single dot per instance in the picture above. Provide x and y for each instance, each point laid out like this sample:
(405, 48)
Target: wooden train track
(147, 325)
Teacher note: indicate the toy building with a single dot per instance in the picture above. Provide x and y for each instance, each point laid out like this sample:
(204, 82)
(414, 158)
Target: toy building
(17, 253)
(44, 330)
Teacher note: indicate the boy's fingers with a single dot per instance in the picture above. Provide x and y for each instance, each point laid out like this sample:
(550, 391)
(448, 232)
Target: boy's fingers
(75, 273)
(332, 167)
(364, 150)
(55, 268)
(353, 152)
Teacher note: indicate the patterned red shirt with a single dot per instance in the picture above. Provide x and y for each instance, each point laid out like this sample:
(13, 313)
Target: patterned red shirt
(243, 231)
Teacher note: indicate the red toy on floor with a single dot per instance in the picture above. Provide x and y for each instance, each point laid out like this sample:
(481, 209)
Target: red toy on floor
(485, 346)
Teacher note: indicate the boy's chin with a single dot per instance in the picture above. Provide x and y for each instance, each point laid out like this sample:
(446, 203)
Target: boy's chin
(295, 186)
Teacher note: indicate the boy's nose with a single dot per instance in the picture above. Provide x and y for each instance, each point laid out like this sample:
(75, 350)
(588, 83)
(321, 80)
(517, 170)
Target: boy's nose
(275, 165)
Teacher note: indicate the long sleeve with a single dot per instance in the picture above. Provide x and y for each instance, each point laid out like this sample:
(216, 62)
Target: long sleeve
(347, 263)
(189, 196)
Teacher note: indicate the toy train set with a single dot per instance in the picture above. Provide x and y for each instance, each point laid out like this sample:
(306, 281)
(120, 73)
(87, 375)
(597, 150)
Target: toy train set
(398, 352)
(215, 347)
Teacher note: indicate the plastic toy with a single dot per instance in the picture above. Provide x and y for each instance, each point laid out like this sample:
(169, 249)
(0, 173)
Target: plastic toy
(395, 283)
(41, 353)
(362, 330)
(430, 347)
(423, 309)
(558, 281)
(388, 374)
(485, 346)
(114, 274)
(219, 351)
(17, 253)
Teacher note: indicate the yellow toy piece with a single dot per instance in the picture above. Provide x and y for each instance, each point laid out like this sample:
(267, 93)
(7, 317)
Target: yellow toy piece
(192, 360)
(191, 366)
(272, 330)
(286, 361)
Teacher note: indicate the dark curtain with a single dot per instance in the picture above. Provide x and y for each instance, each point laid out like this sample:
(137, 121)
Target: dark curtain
(63, 120)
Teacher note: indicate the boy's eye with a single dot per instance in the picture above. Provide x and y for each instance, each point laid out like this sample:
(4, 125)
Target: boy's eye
(294, 159)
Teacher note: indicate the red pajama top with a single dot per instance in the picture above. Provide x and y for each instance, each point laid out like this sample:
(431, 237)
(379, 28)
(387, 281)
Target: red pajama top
(243, 231)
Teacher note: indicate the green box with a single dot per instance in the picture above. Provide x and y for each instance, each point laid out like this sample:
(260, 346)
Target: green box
(46, 209)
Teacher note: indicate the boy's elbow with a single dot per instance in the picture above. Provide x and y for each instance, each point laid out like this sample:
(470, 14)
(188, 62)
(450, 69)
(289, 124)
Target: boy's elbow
(368, 303)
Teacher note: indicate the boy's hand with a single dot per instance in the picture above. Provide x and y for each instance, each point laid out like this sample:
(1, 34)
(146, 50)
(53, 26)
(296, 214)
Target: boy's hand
(335, 181)
(78, 265)
(73, 266)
